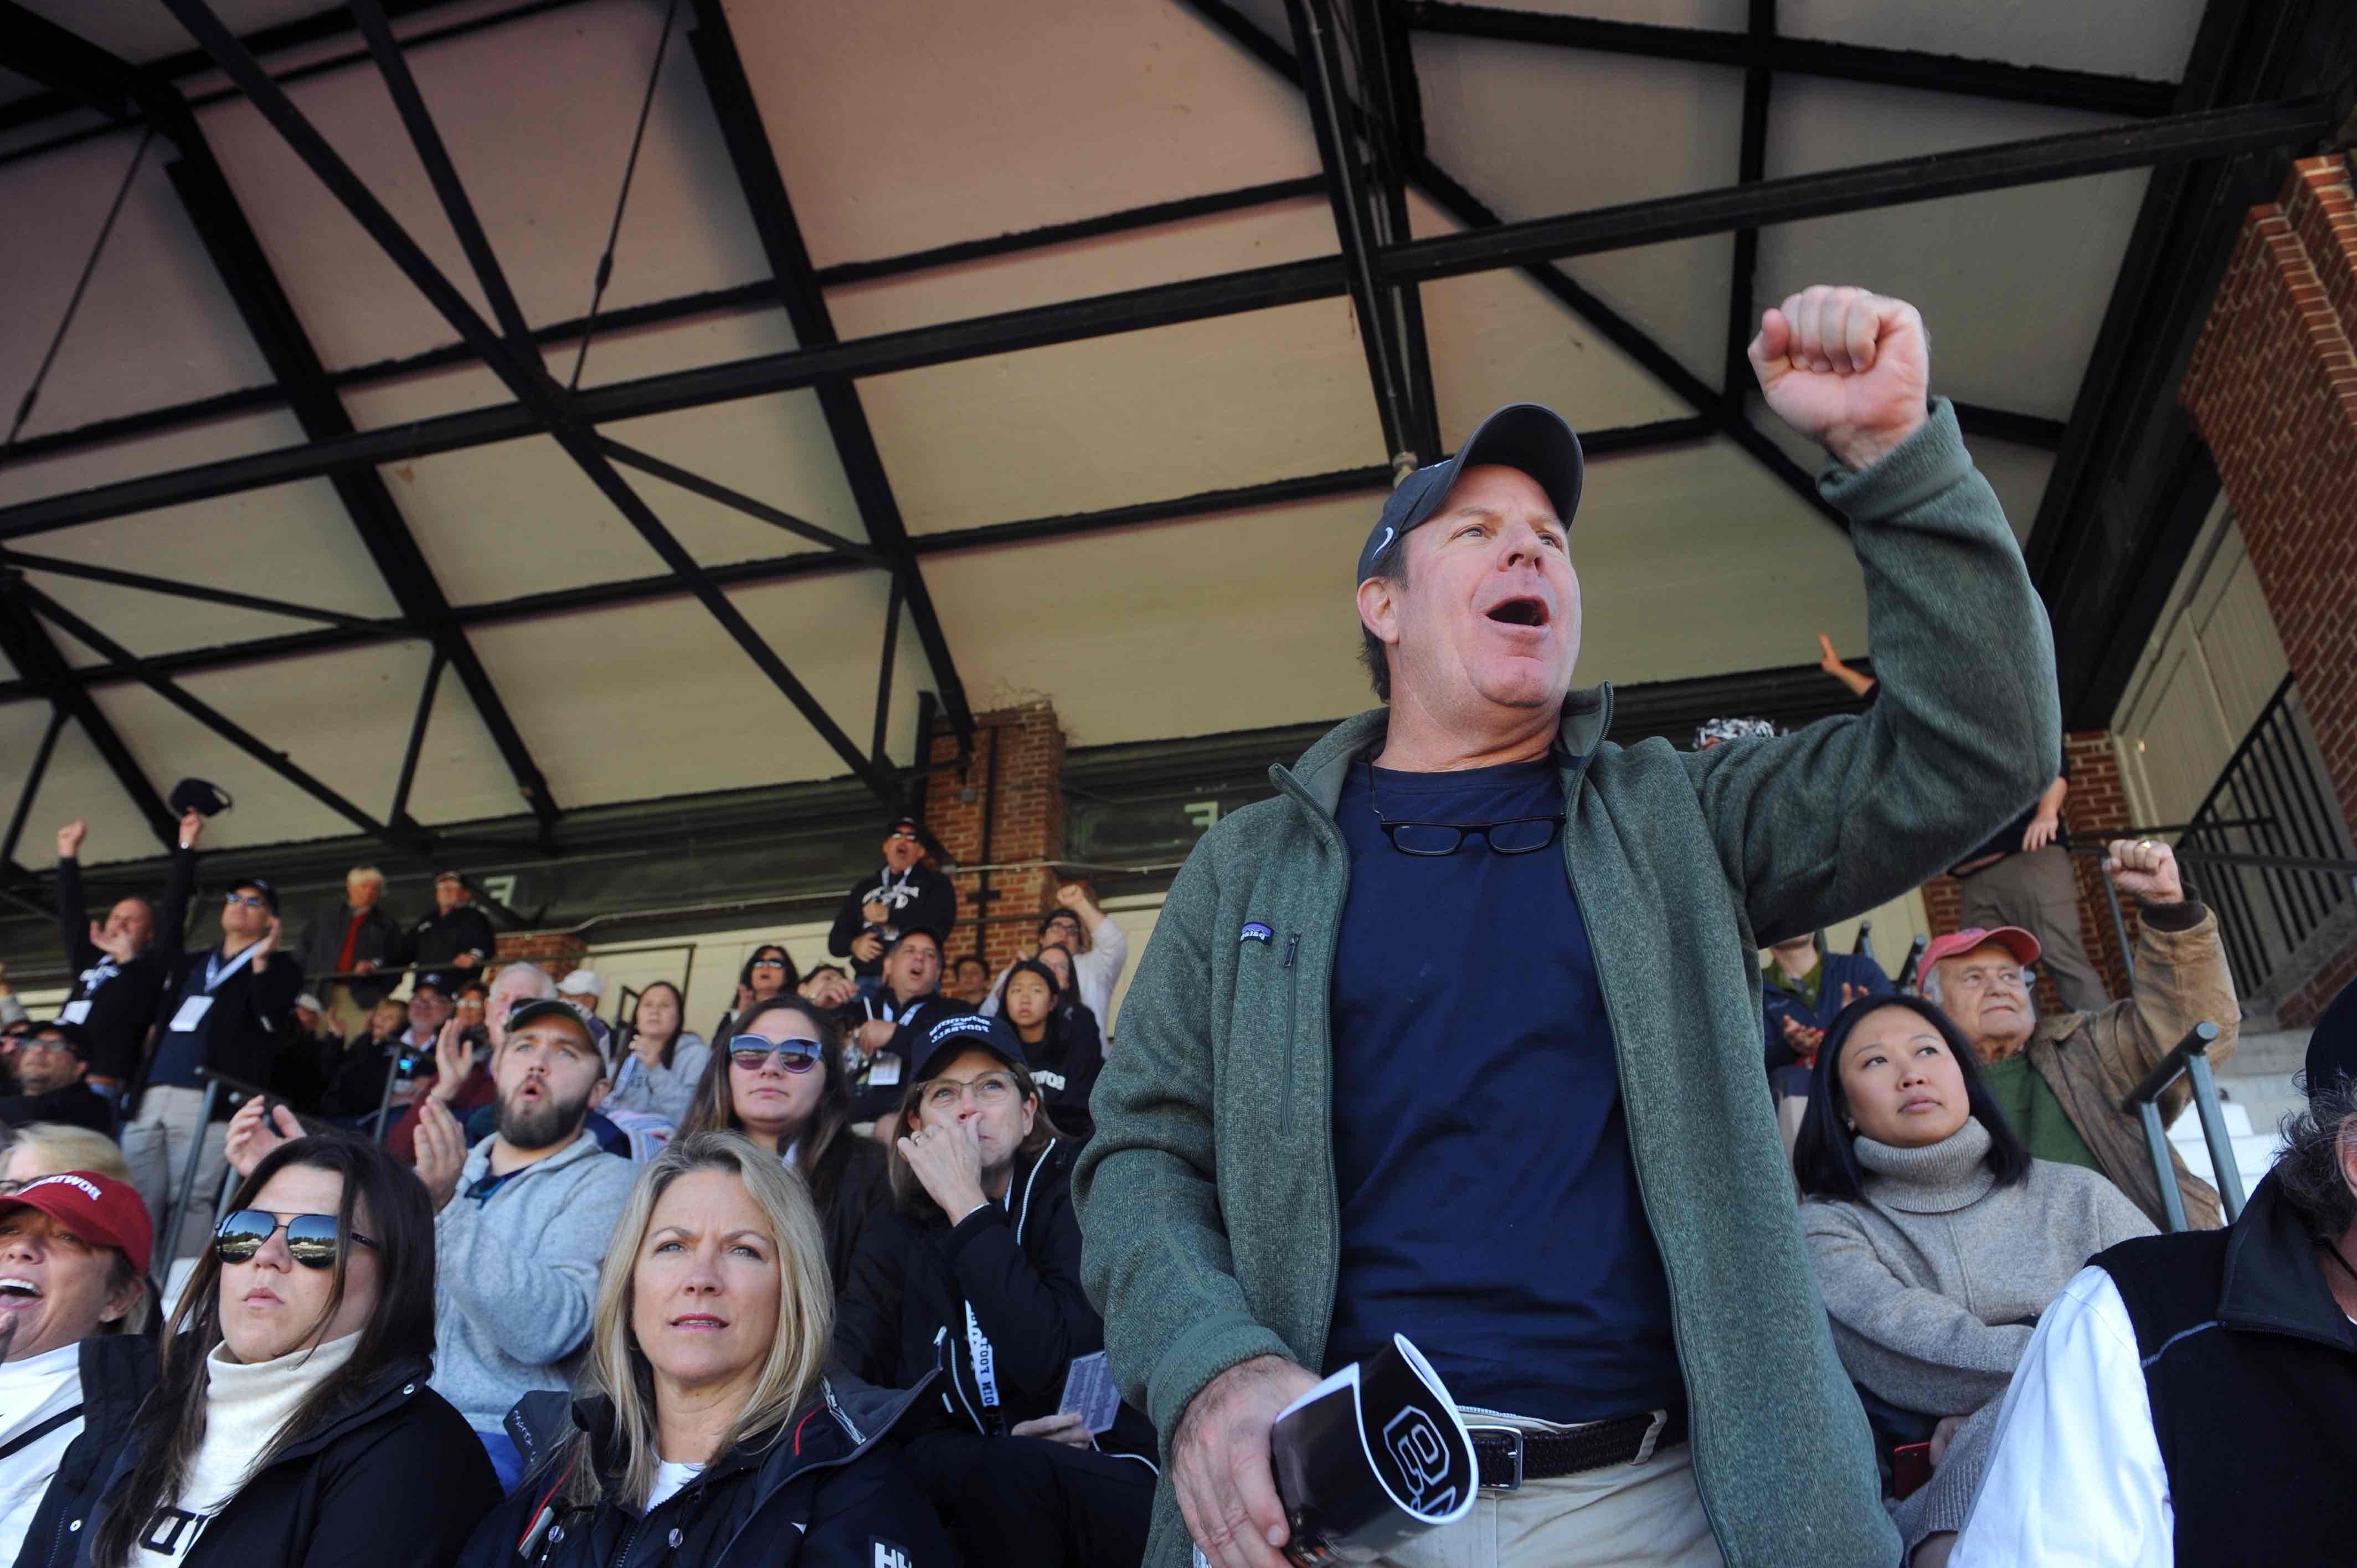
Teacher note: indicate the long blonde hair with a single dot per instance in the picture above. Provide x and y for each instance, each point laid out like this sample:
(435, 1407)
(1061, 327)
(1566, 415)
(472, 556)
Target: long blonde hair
(620, 1369)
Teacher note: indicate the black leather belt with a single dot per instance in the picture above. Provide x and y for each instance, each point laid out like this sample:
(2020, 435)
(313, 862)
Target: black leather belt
(1506, 1456)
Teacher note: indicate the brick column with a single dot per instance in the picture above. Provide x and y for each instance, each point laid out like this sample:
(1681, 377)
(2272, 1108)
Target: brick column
(2272, 388)
(558, 952)
(2096, 801)
(1024, 799)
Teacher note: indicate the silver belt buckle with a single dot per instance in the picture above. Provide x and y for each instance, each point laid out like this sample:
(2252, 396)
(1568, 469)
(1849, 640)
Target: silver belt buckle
(1653, 1435)
(1513, 1435)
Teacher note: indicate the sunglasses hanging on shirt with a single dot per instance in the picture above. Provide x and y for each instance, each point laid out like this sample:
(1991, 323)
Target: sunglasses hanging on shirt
(1434, 841)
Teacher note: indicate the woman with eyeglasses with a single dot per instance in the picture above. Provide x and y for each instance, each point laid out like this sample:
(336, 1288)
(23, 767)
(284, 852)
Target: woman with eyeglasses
(708, 1435)
(780, 1081)
(1059, 1042)
(291, 1423)
(770, 971)
(1937, 1241)
(658, 1074)
(975, 1275)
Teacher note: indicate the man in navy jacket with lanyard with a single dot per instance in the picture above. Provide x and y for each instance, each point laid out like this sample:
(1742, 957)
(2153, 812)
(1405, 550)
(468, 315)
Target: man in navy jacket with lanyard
(225, 1008)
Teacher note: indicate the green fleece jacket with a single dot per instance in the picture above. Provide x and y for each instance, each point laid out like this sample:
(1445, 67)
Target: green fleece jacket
(1207, 1195)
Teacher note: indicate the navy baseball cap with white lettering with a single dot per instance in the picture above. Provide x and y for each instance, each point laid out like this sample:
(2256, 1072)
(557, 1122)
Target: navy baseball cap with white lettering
(1523, 435)
(966, 1032)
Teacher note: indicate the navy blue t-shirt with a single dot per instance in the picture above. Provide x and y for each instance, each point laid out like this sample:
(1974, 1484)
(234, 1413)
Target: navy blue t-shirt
(1490, 1207)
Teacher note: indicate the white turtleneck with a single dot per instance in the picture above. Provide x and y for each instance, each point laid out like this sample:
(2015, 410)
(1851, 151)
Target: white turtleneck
(33, 1391)
(246, 1405)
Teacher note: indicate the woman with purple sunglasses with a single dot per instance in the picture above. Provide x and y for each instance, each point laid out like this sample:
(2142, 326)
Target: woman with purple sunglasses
(779, 1079)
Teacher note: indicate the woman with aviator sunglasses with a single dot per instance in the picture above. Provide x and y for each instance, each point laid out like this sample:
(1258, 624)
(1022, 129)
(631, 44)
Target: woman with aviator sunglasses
(291, 1423)
(780, 1081)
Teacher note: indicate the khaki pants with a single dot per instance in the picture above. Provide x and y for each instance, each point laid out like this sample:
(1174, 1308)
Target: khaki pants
(1626, 1516)
(2038, 892)
(155, 1148)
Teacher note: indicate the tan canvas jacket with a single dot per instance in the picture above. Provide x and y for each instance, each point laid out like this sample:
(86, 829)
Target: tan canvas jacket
(2092, 1061)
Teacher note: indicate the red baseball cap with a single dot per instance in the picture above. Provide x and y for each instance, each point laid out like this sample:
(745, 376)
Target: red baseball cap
(1955, 944)
(98, 1209)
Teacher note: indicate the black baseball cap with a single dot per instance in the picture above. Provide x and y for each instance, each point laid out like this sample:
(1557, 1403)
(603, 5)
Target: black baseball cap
(897, 823)
(893, 946)
(967, 1032)
(1525, 436)
(73, 1035)
(2332, 1047)
(269, 894)
(540, 1007)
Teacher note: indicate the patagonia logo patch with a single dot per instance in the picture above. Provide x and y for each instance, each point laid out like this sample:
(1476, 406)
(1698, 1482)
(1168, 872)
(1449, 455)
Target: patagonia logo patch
(1254, 932)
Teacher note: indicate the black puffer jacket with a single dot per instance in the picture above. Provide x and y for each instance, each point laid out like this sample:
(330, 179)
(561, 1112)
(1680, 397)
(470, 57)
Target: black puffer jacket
(398, 1481)
(855, 1191)
(118, 1371)
(821, 1492)
(903, 1314)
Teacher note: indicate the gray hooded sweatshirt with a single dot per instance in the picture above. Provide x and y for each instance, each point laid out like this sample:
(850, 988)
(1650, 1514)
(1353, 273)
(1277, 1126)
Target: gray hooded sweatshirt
(515, 1274)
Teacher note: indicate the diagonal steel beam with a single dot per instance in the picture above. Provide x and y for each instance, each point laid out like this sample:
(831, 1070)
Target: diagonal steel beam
(212, 718)
(511, 357)
(172, 587)
(252, 284)
(31, 786)
(764, 189)
(1751, 166)
(1333, 117)
(46, 674)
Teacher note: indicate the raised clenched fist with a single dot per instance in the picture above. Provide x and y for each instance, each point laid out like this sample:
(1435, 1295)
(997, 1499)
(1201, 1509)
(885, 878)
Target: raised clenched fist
(1847, 368)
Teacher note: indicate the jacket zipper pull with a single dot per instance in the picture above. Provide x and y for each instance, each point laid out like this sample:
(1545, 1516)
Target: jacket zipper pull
(1292, 946)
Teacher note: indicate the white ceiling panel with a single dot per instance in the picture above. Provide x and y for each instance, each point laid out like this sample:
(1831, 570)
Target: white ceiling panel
(2012, 284)
(1533, 132)
(2017, 473)
(145, 32)
(1694, 562)
(341, 717)
(77, 784)
(27, 479)
(1171, 412)
(1167, 252)
(541, 150)
(656, 699)
(155, 326)
(978, 119)
(2152, 40)
(1727, 16)
(516, 517)
(1497, 337)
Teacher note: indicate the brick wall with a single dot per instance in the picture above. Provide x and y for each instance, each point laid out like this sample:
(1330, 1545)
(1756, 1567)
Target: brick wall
(1027, 822)
(2272, 388)
(2097, 801)
(560, 953)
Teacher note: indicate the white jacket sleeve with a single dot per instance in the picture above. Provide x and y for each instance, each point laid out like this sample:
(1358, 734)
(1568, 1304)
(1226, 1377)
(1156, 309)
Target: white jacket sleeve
(1095, 971)
(2074, 1473)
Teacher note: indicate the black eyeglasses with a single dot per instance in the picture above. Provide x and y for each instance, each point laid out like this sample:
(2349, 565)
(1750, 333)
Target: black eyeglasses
(310, 1238)
(1514, 835)
(751, 1052)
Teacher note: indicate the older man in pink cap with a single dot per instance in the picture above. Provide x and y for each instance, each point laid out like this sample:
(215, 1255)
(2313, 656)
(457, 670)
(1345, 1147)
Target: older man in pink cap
(2060, 1080)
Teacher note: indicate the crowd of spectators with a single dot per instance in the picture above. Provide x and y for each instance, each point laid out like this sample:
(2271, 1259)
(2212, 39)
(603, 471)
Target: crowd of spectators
(456, 1235)
(821, 1270)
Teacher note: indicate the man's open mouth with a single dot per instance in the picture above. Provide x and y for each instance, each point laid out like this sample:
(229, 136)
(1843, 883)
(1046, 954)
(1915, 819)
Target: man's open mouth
(1532, 611)
(17, 1287)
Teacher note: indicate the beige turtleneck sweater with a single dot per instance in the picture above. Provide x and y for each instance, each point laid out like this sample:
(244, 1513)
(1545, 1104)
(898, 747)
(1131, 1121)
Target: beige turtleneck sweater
(245, 1406)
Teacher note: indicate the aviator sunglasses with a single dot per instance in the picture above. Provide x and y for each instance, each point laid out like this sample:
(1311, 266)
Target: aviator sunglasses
(310, 1238)
(750, 1051)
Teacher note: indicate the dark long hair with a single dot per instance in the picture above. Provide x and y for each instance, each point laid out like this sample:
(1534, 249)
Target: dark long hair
(678, 1001)
(1825, 1156)
(909, 1194)
(1055, 1044)
(715, 1107)
(170, 1425)
(794, 976)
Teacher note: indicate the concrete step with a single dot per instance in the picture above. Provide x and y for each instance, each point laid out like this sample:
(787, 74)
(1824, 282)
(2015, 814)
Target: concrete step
(2236, 1116)
(2254, 1156)
(2268, 1052)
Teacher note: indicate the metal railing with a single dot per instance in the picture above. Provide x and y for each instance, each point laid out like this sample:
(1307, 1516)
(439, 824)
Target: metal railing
(2275, 845)
(2190, 1058)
